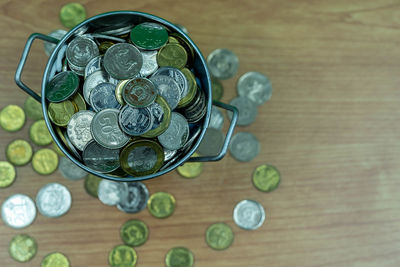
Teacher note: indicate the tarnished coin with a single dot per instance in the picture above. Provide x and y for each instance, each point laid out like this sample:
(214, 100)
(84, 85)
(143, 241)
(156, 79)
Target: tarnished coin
(122, 256)
(18, 211)
(149, 63)
(123, 61)
(168, 89)
(12, 118)
(109, 192)
(7, 174)
(103, 96)
(99, 158)
(49, 47)
(134, 233)
(135, 198)
(22, 248)
(249, 214)
(266, 178)
(95, 79)
(78, 102)
(219, 236)
(62, 86)
(216, 119)
(179, 257)
(118, 91)
(55, 259)
(139, 92)
(177, 76)
(161, 204)
(149, 36)
(33, 109)
(172, 55)
(19, 152)
(60, 113)
(188, 47)
(244, 146)
(45, 161)
(191, 169)
(222, 63)
(256, 86)
(92, 185)
(95, 64)
(80, 51)
(72, 14)
(161, 114)
(217, 89)
(70, 170)
(247, 110)
(39, 133)
(176, 134)
(192, 88)
(135, 121)
(212, 142)
(104, 46)
(78, 128)
(53, 200)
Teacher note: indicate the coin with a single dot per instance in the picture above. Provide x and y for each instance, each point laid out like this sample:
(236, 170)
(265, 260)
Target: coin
(134, 233)
(142, 157)
(78, 128)
(95, 64)
(195, 110)
(139, 92)
(177, 76)
(244, 146)
(109, 192)
(117, 29)
(123, 61)
(18, 211)
(70, 170)
(176, 134)
(118, 91)
(216, 119)
(161, 114)
(55, 259)
(219, 236)
(217, 89)
(212, 142)
(62, 86)
(172, 55)
(149, 36)
(247, 110)
(80, 51)
(7, 174)
(12, 118)
(122, 256)
(19, 152)
(92, 184)
(266, 178)
(45, 161)
(99, 158)
(222, 63)
(134, 199)
(179, 257)
(49, 47)
(79, 102)
(149, 63)
(168, 89)
(191, 169)
(161, 204)
(172, 40)
(256, 86)
(135, 121)
(61, 113)
(103, 96)
(39, 133)
(72, 14)
(53, 200)
(104, 46)
(33, 109)
(22, 248)
(249, 214)
(71, 146)
(188, 47)
(95, 79)
(169, 154)
(192, 88)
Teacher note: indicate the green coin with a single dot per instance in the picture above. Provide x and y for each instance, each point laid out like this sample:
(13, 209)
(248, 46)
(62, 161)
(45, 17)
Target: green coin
(266, 178)
(161, 204)
(219, 236)
(45, 161)
(55, 259)
(92, 184)
(12, 118)
(72, 14)
(22, 248)
(39, 133)
(122, 256)
(160, 126)
(7, 174)
(33, 109)
(173, 55)
(179, 257)
(62, 86)
(134, 233)
(103, 47)
(149, 36)
(217, 89)
(19, 152)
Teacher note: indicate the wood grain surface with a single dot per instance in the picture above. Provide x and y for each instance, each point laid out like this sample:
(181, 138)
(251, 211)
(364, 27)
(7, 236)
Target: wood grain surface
(331, 128)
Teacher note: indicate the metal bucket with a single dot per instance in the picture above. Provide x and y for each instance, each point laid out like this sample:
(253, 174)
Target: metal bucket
(120, 19)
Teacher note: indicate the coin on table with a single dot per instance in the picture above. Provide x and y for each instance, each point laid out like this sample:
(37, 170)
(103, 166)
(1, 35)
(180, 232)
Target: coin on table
(39, 133)
(192, 88)
(139, 92)
(79, 102)
(53, 200)
(7, 174)
(222, 63)
(172, 55)
(176, 134)
(247, 110)
(62, 86)
(212, 142)
(168, 89)
(72, 14)
(219, 236)
(95, 64)
(177, 76)
(104, 46)
(18, 211)
(109, 192)
(149, 36)
(19, 152)
(118, 91)
(55, 259)
(12, 118)
(135, 197)
(244, 146)
(161, 204)
(256, 86)
(191, 169)
(33, 109)
(216, 119)
(149, 63)
(134, 233)
(179, 257)
(95, 79)
(217, 89)
(22, 248)
(122, 256)
(45, 161)
(123, 61)
(48, 46)
(70, 170)
(60, 113)
(103, 96)
(161, 114)
(135, 121)
(92, 184)
(100, 158)
(249, 214)
(78, 128)
(266, 178)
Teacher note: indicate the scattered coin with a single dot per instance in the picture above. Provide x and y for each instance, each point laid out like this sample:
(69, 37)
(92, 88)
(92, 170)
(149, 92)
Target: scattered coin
(179, 257)
(134, 233)
(212, 142)
(72, 14)
(249, 214)
(33, 109)
(216, 119)
(122, 256)
(18, 211)
(247, 110)
(55, 259)
(53, 200)
(19, 152)
(217, 89)
(92, 185)
(266, 178)
(219, 236)
(12, 118)
(222, 63)
(244, 146)
(45, 161)
(134, 199)
(49, 47)
(256, 86)
(22, 248)
(39, 133)
(149, 36)
(191, 169)
(161, 204)
(109, 192)
(70, 170)
(7, 174)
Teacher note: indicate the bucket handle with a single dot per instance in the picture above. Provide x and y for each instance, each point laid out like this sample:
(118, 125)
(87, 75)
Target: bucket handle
(235, 114)
(22, 62)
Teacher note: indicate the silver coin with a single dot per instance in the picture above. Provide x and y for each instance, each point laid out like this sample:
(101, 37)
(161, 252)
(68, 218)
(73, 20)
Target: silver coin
(49, 47)
(71, 146)
(77, 70)
(168, 89)
(96, 64)
(142, 158)
(169, 154)
(256, 86)
(194, 133)
(78, 128)
(81, 50)
(212, 142)
(95, 79)
(105, 129)
(116, 30)
(103, 96)
(244, 146)
(109, 192)
(135, 198)
(139, 92)
(100, 158)
(177, 76)
(247, 110)
(70, 170)
(18, 211)
(249, 214)
(196, 111)
(106, 37)
(149, 63)
(135, 121)
(53, 200)
(222, 63)
(123, 61)
(157, 112)
(216, 119)
(182, 28)
(176, 134)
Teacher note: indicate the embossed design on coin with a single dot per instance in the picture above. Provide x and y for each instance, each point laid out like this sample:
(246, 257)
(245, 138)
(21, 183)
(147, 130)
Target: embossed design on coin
(70, 170)
(95, 79)
(19, 152)
(95, 64)
(122, 256)
(266, 178)
(177, 76)
(247, 110)
(134, 233)
(61, 113)
(177, 133)
(135, 198)
(135, 121)
(179, 256)
(168, 89)
(149, 63)
(100, 158)
(22, 248)
(62, 86)
(7, 174)
(45, 161)
(219, 236)
(80, 51)
(173, 55)
(123, 61)
(149, 36)
(249, 214)
(53, 200)
(216, 118)
(256, 86)
(103, 96)
(222, 63)
(161, 114)
(139, 92)
(18, 211)
(161, 204)
(244, 146)
(109, 192)
(78, 128)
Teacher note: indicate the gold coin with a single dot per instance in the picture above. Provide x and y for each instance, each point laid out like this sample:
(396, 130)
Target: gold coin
(134, 233)
(39, 133)
(161, 204)
(219, 236)
(7, 174)
(179, 257)
(45, 161)
(185, 44)
(217, 89)
(192, 85)
(57, 149)
(61, 113)
(172, 55)
(118, 91)
(19, 152)
(33, 109)
(122, 256)
(79, 102)
(103, 47)
(266, 178)
(92, 184)
(191, 169)
(172, 40)
(166, 119)
(22, 248)
(12, 118)
(55, 259)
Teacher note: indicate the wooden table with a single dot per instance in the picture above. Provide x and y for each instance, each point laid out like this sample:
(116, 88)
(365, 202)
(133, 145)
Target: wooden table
(331, 128)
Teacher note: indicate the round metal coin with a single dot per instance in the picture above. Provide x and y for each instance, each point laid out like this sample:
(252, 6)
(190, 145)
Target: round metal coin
(109, 192)
(176, 134)
(62, 86)
(256, 86)
(55, 259)
(149, 36)
(18, 211)
(100, 158)
(135, 198)
(80, 51)
(60, 113)
(134, 233)
(12, 118)
(53, 200)
(39, 133)
(122, 256)
(179, 257)
(161, 114)
(161, 204)
(135, 121)
(266, 178)
(78, 102)
(217, 89)
(139, 92)
(22, 248)
(212, 142)
(172, 55)
(177, 76)
(222, 63)
(7, 174)
(149, 63)
(78, 129)
(216, 119)
(45, 161)
(103, 96)
(247, 110)
(95, 79)
(249, 214)
(219, 236)
(33, 109)
(95, 64)
(118, 91)
(70, 170)
(244, 146)
(19, 152)
(72, 14)
(92, 184)
(191, 169)
(168, 89)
